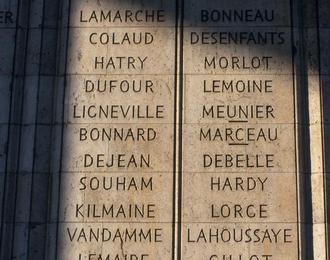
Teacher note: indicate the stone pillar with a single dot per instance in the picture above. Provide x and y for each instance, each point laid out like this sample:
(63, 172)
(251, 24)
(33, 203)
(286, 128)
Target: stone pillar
(323, 24)
(158, 129)
(29, 71)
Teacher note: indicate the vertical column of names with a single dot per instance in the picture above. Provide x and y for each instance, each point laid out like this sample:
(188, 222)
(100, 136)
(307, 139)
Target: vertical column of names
(239, 175)
(117, 163)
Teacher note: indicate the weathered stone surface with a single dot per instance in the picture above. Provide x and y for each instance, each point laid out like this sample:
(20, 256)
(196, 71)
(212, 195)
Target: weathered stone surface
(220, 116)
(150, 129)
(118, 149)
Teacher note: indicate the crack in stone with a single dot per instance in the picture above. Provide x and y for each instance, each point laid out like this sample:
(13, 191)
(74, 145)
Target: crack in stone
(122, 247)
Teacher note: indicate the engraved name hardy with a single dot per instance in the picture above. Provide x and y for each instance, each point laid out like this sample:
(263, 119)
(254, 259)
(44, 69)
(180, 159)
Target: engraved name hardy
(238, 184)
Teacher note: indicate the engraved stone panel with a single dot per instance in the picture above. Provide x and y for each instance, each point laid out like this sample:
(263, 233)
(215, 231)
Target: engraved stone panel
(118, 150)
(239, 197)
(171, 130)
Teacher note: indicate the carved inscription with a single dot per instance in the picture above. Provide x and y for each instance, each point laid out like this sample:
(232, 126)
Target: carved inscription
(117, 174)
(119, 196)
(239, 180)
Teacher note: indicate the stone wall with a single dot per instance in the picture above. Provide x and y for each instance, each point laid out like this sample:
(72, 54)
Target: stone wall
(166, 126)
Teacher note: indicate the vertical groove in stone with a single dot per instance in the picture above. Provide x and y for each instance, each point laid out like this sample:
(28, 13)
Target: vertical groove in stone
(38, 191)
(324, 43)
(62, 53)
(313, 174)
(6, 106)
(28, 128)
(13, 162)
(304, 167)
(177, 202)
(25, 179)
(60, 22)
(41, 200)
